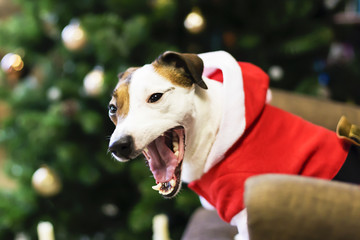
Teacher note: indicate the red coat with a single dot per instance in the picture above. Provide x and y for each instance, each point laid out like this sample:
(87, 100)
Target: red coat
(274, 141)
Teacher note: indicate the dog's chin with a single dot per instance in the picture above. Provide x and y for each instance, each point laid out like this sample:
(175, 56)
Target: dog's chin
(164, 156)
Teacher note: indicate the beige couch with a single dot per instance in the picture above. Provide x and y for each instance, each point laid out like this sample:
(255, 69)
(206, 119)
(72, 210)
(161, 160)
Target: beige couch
(284, 207)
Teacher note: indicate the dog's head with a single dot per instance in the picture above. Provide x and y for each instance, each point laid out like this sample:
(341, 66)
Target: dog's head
(152, 108)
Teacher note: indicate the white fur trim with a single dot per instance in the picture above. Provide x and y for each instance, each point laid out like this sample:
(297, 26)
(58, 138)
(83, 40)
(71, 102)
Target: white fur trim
(206, 204)
(240, 221)
(234, 98)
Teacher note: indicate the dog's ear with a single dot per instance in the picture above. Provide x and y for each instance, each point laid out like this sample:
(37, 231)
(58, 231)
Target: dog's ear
(192, 65)
(125, 75)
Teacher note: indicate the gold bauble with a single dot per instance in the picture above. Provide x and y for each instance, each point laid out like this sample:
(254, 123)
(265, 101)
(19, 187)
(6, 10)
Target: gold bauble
(195, 21)
(46, 182)
(73, 36)
(12, 62)
(94, 81)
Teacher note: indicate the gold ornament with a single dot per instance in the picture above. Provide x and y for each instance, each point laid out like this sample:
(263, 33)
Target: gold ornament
(194, 21)
(12, 62)
(94, 81)
(46, 182)
(73, 36)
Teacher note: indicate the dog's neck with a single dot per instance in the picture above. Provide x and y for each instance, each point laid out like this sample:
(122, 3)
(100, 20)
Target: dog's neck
(202, 131)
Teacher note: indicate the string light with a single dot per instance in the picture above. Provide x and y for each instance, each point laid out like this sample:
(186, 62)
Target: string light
(54, 93)
(276, 73)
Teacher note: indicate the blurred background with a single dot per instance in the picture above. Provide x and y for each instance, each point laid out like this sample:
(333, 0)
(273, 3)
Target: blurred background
(59, 64)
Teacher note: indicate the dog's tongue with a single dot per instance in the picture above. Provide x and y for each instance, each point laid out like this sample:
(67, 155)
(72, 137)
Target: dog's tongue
(162, 160)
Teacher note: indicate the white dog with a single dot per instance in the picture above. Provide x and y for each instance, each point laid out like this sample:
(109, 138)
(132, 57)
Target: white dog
(212, 134)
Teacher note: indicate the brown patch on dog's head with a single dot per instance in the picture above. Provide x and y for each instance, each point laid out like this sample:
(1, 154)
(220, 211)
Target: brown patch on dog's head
(180, 68)
(120, 96)
(176, 76)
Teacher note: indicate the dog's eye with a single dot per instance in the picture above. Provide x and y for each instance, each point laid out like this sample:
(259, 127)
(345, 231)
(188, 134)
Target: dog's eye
(112, 109)
(154, 97)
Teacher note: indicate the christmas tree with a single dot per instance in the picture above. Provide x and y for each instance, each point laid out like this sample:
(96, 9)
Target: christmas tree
(60, 61)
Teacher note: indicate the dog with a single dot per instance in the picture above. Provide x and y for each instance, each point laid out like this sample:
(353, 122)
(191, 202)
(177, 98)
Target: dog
(205, 120)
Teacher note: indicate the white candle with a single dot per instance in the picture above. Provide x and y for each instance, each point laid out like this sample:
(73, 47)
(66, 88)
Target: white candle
(45, 231)
(160, 227)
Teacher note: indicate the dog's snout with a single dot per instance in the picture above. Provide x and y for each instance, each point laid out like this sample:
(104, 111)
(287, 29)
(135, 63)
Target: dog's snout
(123, 147)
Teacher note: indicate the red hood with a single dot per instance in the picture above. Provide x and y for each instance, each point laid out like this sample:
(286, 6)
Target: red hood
(256, 85)
(240, 110)
(264, 139)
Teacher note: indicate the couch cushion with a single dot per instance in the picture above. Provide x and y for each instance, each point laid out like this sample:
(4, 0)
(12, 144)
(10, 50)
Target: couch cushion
(292, 207)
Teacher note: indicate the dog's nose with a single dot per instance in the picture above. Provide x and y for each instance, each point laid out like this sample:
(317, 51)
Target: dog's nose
(122, 148)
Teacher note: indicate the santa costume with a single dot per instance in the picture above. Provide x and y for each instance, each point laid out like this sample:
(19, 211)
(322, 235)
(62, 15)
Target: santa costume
(257, 138)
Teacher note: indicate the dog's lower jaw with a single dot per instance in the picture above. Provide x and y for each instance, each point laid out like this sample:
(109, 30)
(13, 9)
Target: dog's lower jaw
(175, 186)
(119, 159)
(164, 156)
(201, 132)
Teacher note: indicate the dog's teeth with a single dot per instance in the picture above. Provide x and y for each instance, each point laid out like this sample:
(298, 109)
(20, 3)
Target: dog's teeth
(157, 187)
(166, 187)
(172, 183)
(176, 153)
(146, 150)
(162, 192)
(175, 146)
(166, 191)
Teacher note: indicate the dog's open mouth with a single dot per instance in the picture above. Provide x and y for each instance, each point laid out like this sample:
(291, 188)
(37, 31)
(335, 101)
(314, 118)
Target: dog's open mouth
(165, 156)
